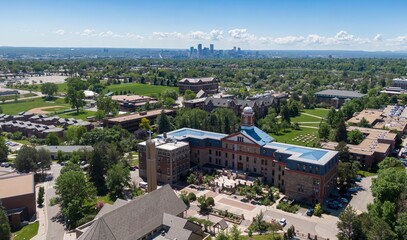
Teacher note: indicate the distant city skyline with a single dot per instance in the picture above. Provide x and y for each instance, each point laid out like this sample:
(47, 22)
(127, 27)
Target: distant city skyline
(255, 25)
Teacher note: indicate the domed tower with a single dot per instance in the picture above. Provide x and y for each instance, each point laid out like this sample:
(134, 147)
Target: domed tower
(248, 117)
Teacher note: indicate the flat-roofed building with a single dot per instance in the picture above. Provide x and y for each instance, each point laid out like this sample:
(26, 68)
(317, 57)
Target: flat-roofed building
(377, 145)
(131, 102)
(173, 159)
(336, 98)
(208, 84)
(372, 116)
(132, 122)
(67, 150)
(400, 82)
(17, 194)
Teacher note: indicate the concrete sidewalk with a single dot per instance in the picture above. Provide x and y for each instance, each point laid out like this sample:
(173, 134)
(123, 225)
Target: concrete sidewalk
(42, 216)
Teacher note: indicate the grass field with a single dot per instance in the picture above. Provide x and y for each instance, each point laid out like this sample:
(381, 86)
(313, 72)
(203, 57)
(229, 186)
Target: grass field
(288, 137)
(83, 114)
(138, 88)
(267, 236)
(27, 232)
(305, 118)
(62, 87)
(22, 106)
(320, 112)
(105, 199)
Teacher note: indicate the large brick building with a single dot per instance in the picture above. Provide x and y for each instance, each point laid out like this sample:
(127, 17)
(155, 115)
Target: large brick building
(302, 173)
(17, 195)
(208, 84)
(336, 98)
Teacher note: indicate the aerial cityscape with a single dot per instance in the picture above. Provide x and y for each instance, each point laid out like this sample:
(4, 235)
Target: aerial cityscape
(188, 120)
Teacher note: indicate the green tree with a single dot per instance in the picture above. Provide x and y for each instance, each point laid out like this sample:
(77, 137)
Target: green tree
(74, 190)
(44, 159)
(191, 197)
(118, 177)
(389, 184)
(75, 95)
(3, 150)
(169, 94)
(341, 133)
(26, 159)
(184, 197)
(285, 113)
(355, 137)
(330, 118)
(5, 232)
(390, 162)
(318, 210)
(188, 95)
(40, 199)
(205, 204)
(323, 131)
(74, 134)
(50, 89)
(145, 124)
(107, 105)
(364, 123)
(348, 225)
(52, 139)
(343, 151)
(163, 123)
(234, 233)
(222, 236)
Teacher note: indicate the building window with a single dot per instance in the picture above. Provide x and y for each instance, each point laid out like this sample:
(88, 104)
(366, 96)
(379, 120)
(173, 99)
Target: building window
(240, 139)
(282, 183)
(310, 169)
(240, 158)
(254, 170)
(282, 173)
(304, 168)
(298, 166)
(279, 168)
(210, 151)
(317, 170)
(233, 156)
(210, 159)
(255, 160)
(262, 162)
(226, 155)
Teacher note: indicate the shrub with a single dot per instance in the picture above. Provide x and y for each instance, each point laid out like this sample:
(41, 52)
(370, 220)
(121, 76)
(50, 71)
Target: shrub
(287, 207)
(191, 197)
(318, 210)
(53, 201)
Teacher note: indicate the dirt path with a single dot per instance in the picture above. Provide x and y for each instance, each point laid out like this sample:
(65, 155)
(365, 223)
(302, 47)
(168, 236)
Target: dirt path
(40, 110)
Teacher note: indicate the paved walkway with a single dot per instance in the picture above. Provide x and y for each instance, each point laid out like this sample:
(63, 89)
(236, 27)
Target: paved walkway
(315, 116)
(305, 126)
(42, 216)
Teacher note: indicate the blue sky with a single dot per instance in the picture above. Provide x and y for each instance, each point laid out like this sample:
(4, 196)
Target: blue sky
(250, 24)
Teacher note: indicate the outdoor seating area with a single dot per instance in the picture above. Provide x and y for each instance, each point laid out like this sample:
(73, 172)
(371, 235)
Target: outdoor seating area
(307, 138)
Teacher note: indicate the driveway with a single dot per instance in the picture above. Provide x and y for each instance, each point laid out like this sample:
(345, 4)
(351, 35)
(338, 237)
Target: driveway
(364, 195)
(55, 228)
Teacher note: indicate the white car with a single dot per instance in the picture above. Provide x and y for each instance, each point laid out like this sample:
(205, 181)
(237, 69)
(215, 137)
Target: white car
(283, 222)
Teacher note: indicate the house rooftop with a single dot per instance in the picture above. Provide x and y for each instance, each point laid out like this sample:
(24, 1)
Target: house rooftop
(339, 94)
(196, 80)
(137, 116)
(16, 184)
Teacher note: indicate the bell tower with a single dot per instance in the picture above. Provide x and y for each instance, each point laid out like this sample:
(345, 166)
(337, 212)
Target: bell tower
(151, 159)
(248, 117)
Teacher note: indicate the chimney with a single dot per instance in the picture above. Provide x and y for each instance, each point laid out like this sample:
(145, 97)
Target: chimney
(165, 135)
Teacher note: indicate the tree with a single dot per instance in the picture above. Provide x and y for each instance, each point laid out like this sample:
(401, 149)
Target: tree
(343, 151)
(107, 105)
(222, 236)
(188, 95)
(169, 94)
(305, 101)
(364, 123)
(3, 150)
(26, 159)
(44, 159)
(50, 89)
(389, 184)
(234, 233)
(294, 108)
(205, 204)
(191, 197)
(74, 134)
(390, 162)
(291, 232)
(70, 166)
(75, 95)
(74, 190)
(5, 232)
(341, 133)
(323, 131)
(348, 225)
(285, 113)
(330, 118)
(40, 199)
(164, 124)
(355, 137)
(184, 197)
(99, 115)
(318, 210)
(117, 178)
(52, 139)
(145, 124)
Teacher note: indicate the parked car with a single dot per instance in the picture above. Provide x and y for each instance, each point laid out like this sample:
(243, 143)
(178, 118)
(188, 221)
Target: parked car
(352, 190)
(331, 205)
(283, 222)
(358, 178)
(62, 163)
(344, 200)
(338, 204)
(347, 195)
(310, 212)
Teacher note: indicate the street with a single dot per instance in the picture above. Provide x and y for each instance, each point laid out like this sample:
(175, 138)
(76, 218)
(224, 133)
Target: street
(364, 195)
(54, 228)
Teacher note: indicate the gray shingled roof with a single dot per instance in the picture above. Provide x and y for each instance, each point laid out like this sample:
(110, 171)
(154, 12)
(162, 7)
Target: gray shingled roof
(65, 149)
(136, 218)
(339, 94)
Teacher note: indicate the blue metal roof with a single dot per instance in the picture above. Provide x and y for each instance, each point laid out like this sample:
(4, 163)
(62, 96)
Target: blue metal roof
(303, 152)
(189, 132)
(257, 135)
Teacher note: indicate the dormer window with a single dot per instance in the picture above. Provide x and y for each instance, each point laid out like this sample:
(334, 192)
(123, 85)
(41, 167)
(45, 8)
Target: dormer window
(240, 139)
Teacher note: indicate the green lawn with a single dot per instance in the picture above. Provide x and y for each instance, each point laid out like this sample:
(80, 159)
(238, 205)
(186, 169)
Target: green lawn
(138, 88)
(27, 232)
(105, 199)
(288, 137)
(320, 112)
(62, 87)
(83, 114)
(13, 108)
(305, 118)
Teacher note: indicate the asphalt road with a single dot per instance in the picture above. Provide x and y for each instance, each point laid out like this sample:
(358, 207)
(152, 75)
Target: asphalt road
(364, 195)
(55, 229)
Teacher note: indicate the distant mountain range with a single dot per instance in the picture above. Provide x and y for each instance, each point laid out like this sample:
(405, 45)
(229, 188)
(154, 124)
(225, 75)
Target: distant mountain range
(148, 53)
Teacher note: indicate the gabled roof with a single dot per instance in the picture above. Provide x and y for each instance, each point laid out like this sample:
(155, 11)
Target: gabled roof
(136, 218)
(257, 135)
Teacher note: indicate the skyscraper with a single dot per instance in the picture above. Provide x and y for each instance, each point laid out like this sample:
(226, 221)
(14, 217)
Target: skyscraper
(212, 48)
(199, 50)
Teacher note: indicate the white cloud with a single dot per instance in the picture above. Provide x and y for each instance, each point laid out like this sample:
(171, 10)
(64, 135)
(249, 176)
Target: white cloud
(289, 40)
(378, 38)
(167, 35)
(107, 34)
(241, 34)
(88, 32)
(398, 41)
(60, 32)
(344, 36)
(216, 34)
